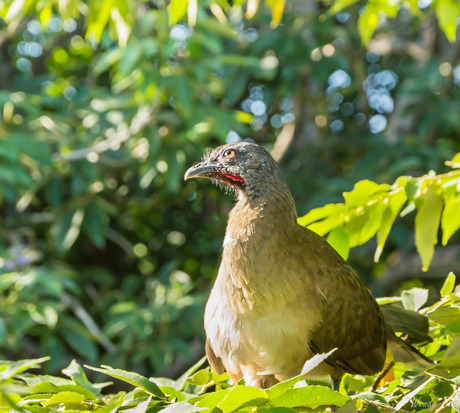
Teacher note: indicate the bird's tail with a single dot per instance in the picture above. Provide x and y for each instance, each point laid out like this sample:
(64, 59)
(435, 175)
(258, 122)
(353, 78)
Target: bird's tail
(405, 353)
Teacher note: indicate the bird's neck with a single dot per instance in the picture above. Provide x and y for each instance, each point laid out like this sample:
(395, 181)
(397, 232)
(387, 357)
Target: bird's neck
(255, 231)
(258, 216)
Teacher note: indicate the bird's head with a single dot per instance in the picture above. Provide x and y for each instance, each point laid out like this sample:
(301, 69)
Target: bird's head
(244, 166)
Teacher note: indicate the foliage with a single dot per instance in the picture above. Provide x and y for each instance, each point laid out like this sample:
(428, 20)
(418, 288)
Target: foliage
(105, 254)
(117, 15)
(371, 209)
(437, 389)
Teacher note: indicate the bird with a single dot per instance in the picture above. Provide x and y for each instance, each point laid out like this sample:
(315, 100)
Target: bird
(282, 293)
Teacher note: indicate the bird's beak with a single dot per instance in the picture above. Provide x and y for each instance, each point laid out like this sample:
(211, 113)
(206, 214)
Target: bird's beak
(200, 170)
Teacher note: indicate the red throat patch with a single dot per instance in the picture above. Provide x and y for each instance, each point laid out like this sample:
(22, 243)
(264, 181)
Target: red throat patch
(235, 178)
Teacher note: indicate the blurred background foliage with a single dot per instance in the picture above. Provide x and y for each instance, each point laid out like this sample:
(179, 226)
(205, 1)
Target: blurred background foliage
(105, 253)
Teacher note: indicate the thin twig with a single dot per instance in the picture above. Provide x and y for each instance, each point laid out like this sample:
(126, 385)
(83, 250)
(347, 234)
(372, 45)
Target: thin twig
(381, 376)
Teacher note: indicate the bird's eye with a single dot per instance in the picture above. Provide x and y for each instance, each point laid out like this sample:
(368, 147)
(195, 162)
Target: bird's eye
(229, 153)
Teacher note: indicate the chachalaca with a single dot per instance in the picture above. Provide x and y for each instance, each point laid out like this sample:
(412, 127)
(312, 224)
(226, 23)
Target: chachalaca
(283, 294)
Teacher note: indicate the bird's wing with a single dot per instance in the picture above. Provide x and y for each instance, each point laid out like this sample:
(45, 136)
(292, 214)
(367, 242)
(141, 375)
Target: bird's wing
(214, 361)
(351, 319)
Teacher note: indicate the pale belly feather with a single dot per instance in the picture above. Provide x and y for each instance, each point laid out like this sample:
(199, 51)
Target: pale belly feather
(259, 341)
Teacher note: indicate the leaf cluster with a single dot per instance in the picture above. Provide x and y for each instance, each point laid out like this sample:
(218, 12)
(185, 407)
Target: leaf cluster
(434, 390)
(370, 209)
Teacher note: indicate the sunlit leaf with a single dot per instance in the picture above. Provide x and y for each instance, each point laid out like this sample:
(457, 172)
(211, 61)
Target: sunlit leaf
(394, 204)
(64, 397)
(445, 315)
(177, 10)
(318, 214)
(448, 12)
(132, 378)
(280, 388)
(363, 226)
(454, 162)
(211, 400)
(362, 193)
(310, 396)
(427, 223)
(251, 8)
(243, 397)
(448, 285)
(368, 22)
(15, 367)
(450, 221)
(340, 241)
(98, 19)
(75, 372)
(414, 298)
(326, 225)
(277, 7)
(69, 228)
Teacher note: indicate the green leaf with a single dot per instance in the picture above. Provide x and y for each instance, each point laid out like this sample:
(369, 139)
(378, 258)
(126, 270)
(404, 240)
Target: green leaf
(318, 214)
(363, 226)
(453, 328)
(75, 372)
(243, 396)
(340, 241)
(427, 223)
(9, 369)
(448, 285)
(131, 378)
(394, 204)
(370, 396)
(445, 315)
(450, 221)
(454, 162)
(65, 397)
(200, 378)
(177, 10)
(69, 229)
(411, 394)
(310, 396)
(95, 224)
(171, 392)
(35, 398)
(99, 15)
(327, 225)
(180, 407)
(407, 322)
(309, 365)
(414, 298)
(362, 193)
(448, 12)
(211, 400)
(368, 22)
